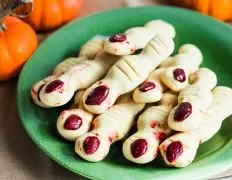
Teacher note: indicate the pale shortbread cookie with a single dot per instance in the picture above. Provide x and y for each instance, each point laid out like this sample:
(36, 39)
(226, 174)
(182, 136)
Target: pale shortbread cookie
(59, 91)
(88, 51)
(195, 98)
(65, 65)
(108, 128)
(76, 121)
(175, 77)
(35, 90)
(179, 150)
(219, 110)
(127, 74)
(166, 63)
(187, 61)
(152, 89)
(137, 37)
(142, 147)
(92, 47)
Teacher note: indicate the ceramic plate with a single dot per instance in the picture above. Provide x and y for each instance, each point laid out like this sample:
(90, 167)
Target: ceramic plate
(212, 37)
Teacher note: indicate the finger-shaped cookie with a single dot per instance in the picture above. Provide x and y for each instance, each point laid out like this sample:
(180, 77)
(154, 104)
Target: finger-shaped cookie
(127, 74)
(108, 127)
(88, 52)
(192, 62)
(92, 47)
(219, 110)
(186, 115)
(137, 37)
(65, 65)
(59, 91)
(152, 89)
(142, 147)
(35, 90)
(187, 61)
(76, 121)
(167, 62)
(179, 150)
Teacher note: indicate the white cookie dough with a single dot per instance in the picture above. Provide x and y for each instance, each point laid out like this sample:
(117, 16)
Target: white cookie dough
(179, 150)
(73, 123)
(88, 51)
(108, 127)
(187, 115)
(65, 65)
(142, 147)
(150, 90)
(76, 121)
(92, 47)
(185, 144)
(137, 37)
(187, 61)
(61, 90)
(35, 90)
(219, 110)
(127, 74)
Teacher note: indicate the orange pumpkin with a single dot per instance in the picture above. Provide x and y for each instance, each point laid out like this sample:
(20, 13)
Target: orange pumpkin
(50, 14)
(220, 9)
(17, 42)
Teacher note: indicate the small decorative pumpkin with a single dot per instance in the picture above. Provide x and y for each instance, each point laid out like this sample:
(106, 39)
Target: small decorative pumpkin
(51, 14)
(220, 9)
(17, 42)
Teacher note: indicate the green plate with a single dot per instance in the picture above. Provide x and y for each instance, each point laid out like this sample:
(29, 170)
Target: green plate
(212, 37)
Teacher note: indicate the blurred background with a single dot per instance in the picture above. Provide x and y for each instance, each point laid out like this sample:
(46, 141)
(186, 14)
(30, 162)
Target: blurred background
(36, 20)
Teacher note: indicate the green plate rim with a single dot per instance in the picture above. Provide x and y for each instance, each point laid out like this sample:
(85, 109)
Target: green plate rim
(206, 19)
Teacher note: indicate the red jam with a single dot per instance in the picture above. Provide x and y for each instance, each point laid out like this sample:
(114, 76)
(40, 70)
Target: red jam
(179, 75)
(174, 150)
(117, 38)
(97, 95)
(183, 111)
(146, 86)
(138, 148)
(73, 122)
(91, 144)
(54, 85)
(160, 136)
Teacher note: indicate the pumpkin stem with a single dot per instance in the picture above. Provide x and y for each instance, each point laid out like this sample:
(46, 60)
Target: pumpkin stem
(2, 25)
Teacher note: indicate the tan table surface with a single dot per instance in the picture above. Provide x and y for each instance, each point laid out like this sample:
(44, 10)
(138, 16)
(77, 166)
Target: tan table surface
(20, 158)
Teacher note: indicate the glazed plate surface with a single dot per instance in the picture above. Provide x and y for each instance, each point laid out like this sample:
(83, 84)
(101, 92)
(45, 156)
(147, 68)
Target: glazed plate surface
(212, 37)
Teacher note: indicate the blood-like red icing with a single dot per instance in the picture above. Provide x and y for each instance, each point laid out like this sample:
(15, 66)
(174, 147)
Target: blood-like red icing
(73, 122)
(110, 139)
(117, 38)
(34, 91)
(174, 150)
(138, 147)
(179, 75)
(153, 124)
(146, 86)
(183, 111)
(54, 85)
(97, 95)
(160, 136)
(91, 144)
